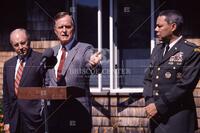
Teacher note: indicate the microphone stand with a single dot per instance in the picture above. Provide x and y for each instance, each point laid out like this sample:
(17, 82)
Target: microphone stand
(44, 102)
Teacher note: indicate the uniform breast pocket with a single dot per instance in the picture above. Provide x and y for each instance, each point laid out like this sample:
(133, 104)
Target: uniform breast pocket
(169, 75)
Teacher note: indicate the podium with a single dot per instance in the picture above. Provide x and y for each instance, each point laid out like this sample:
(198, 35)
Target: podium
(47, 93)
(50, 93)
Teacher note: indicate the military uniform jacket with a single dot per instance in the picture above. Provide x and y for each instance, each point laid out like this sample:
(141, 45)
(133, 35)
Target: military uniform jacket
(169, 83)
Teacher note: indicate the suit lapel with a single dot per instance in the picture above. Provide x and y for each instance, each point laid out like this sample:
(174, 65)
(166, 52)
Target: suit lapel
(12, 74)
(55, 49)
(160, 54)
(70, 56)
(157, 55)
(53, 73)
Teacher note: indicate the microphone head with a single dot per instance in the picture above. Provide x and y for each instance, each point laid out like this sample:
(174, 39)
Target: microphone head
(49, 58)
(48, 53)
(51, 62)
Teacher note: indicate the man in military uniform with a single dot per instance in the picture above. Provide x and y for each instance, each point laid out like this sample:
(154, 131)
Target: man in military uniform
(169, 82)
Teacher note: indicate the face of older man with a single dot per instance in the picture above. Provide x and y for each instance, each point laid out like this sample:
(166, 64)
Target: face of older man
(20, 43)
(164, 30)
(64, 29)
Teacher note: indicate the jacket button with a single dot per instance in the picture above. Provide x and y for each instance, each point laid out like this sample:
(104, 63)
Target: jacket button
(158, 68)
(157, 77)
(156, 85)
(156, 93)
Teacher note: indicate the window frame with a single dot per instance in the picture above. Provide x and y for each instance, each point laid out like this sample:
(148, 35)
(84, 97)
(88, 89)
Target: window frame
(113, 55)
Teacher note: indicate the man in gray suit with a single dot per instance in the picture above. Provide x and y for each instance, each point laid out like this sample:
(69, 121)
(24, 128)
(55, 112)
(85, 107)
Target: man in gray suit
(76, 61)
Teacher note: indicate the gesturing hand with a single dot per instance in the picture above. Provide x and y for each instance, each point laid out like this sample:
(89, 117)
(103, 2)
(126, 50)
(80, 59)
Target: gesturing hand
(95, 58)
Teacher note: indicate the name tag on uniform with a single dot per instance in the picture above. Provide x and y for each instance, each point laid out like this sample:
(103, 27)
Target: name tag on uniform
(176, 59)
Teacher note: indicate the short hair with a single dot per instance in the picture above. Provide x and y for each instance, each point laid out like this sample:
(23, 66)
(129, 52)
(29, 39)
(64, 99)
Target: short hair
(61, 15)
(173, 16)
(22, 30)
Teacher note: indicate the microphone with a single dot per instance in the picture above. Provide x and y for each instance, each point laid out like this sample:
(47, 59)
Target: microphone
(48, 53)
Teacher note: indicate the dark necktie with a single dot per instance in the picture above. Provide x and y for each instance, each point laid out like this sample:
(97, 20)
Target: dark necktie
(62, 61)
(166, 49)
(19, 75)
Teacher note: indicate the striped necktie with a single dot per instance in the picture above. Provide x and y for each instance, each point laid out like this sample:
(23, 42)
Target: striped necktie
(19, 75)
(61, 64)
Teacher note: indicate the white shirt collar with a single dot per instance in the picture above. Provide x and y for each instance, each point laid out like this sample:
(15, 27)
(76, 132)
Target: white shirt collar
(174, 42)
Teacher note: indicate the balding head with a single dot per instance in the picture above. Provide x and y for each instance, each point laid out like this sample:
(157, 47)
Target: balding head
(17, 32)
(19, 39)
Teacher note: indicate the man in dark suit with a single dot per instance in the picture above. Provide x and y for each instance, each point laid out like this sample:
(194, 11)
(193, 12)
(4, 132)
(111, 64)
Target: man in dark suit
(21, 116)
(171, 78)
(76, 61)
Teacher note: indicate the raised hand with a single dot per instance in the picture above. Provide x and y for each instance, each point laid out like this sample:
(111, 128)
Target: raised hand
(95, 58)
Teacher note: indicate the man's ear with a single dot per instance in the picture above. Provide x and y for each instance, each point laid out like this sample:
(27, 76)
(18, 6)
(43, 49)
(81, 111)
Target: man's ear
(54, 29)
(174, 27)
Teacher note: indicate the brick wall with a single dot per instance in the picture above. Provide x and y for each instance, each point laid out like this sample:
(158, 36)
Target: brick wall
(118, 113)
(124, 113)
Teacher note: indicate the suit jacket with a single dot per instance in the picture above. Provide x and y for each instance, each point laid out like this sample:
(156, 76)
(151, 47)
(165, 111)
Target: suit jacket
(25, 111)
(75, 75)
(169, 83)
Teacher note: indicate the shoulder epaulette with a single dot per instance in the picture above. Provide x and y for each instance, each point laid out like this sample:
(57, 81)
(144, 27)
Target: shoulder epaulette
(190, 44)
(197, 49)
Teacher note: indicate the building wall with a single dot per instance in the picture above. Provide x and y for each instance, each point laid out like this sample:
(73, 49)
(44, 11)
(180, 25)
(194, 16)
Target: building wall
(112, 113)
(124, 113)
(119, 113)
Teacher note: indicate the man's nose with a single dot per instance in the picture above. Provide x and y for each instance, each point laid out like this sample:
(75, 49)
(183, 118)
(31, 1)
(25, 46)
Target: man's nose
(64, 29)
(156, 29)
(20, 46)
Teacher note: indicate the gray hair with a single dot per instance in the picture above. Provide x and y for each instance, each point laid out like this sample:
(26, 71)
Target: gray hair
(173, 16)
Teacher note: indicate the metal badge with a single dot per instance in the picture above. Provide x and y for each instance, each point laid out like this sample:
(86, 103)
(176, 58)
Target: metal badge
(168, 75)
